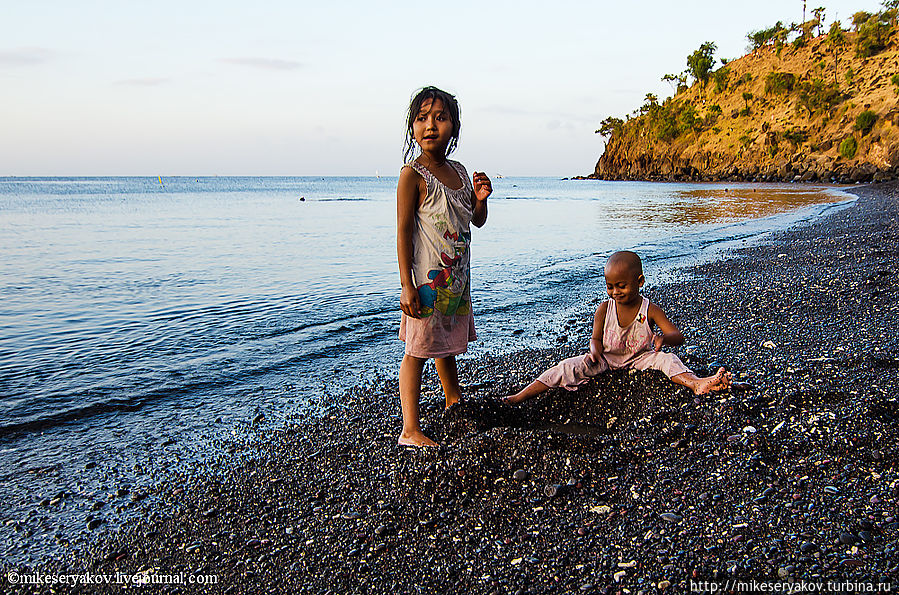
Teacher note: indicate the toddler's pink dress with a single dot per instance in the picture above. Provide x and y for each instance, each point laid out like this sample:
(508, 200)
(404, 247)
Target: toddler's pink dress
(440, 269)
(623, 347)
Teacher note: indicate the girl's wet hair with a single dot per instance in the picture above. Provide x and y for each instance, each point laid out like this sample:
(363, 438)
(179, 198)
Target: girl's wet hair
(449, 104)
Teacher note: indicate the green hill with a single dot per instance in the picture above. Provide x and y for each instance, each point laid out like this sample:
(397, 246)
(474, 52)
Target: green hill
(806, 104)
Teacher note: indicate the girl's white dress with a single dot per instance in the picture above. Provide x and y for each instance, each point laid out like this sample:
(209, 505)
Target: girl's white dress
(440, 269)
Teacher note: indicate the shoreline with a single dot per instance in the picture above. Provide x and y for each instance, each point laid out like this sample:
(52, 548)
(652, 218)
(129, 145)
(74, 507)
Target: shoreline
(330, 502)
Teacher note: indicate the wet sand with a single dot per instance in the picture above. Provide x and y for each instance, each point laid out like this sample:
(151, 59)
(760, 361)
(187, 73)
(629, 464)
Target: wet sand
(629, 483)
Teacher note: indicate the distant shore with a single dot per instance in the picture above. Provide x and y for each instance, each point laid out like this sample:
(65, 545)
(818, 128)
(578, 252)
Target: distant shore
(629, 483)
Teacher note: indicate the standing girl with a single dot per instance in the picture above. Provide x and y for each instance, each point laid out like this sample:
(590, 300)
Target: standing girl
(435, 203)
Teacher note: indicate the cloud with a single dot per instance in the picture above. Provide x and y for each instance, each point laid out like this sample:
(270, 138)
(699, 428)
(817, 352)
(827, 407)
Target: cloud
(25, 56)
(143, 82)
(264, 63)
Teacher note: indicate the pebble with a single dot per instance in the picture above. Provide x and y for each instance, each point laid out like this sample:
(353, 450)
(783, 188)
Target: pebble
(193, 547)
(521, 475)
(93, 524)
(832, 490)
(671, 517)
(619, 575)
(866, 536)
(552, 490)
(664, 585)
(847, 538)
(808, 547)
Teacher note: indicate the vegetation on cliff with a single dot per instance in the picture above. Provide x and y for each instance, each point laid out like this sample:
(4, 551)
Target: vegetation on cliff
(807, 102)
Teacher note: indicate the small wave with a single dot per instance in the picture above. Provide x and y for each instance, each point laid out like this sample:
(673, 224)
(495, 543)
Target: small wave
(69, 415)
(341, 199)
(352, 318)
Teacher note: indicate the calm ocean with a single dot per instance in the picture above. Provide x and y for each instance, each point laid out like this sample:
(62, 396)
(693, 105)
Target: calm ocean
(140, 316)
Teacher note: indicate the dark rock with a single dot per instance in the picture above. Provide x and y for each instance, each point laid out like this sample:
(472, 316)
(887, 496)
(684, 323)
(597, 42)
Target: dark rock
(808, 547)
(847, 538)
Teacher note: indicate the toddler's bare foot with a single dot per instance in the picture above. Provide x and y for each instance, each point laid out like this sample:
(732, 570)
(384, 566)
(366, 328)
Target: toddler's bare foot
(720, 381)
(513, 399)
(529, 392)
(415, 439)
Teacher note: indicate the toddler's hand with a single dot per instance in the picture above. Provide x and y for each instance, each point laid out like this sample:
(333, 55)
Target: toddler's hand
(410, 303)
(482, 185)
(657, 342)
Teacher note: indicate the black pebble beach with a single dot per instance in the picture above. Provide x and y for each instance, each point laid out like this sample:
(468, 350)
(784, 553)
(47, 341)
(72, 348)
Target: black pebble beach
(631, 484)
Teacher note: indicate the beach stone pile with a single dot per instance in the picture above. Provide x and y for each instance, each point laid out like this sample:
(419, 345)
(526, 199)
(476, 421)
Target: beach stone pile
(630, 483)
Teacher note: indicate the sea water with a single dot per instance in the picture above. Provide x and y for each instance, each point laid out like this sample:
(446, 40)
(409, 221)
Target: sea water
(137, 313)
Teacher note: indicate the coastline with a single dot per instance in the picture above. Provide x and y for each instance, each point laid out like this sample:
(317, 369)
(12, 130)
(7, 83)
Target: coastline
(331, 503)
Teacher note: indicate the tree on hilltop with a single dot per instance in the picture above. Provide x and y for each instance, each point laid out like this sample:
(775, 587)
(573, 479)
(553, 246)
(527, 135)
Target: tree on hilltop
(860, 18)
(873, 33)
(836, 40)
(762, 37)
(891, 10)
(819, 18)
(700, 62)
(610, 126)
(678, 82)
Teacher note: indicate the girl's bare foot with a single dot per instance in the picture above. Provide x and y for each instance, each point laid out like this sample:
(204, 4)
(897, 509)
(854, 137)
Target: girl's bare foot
(720, 381)
(415, 438)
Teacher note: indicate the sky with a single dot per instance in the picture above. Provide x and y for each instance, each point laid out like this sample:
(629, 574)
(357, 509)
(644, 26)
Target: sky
(186, 87)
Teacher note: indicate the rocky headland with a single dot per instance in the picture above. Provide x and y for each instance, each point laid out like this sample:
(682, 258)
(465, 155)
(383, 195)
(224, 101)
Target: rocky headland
(822, 107)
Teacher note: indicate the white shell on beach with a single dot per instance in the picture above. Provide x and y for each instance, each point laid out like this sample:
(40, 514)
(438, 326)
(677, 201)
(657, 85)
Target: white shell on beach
(769, 345)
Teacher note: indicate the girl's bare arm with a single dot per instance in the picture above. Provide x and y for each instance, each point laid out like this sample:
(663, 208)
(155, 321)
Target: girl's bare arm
(482, 189)
(670, 333)
(408, 191)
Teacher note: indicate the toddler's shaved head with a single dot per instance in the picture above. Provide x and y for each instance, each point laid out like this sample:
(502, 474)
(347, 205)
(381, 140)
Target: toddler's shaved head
(627, 259)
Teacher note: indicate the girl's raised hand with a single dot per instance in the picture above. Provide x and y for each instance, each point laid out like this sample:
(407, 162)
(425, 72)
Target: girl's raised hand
(482, 186)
